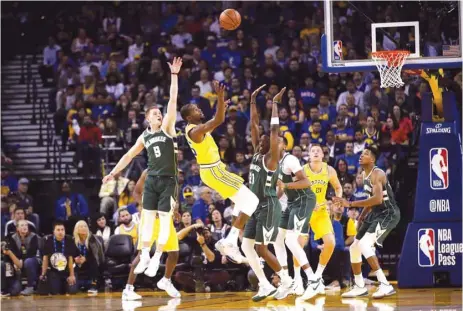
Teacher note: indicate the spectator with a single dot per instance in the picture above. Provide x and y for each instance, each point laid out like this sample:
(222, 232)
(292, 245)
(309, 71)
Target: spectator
(225, 150)
(90, 256)
(181, 38)
(333, 147)
(194, 179)
(371, 133)
(136, 49)
(326, 111)
(126, 197)
(343, 175)
(218, 227)
(239, 166)
(202, 103)
(9, 182)
(200, 209)
(204, 247)
(296, 115)
(204, 83)
(348, 191)
(187, 205)
(316, 136)
(127, 226)
(50, 58)
(20, 253)
(70, 205)
(359, 143)
(12, 225)
(25, 201)
(237, 141)
(351, 158)
(375, 96)
(88, 150)
(102, 229)
(297, 152)
(342, 133)
(271, 48)
(58, 273)
(351, 89)
(114, 86)
(80, 43)
(308, 94)
(111, 19)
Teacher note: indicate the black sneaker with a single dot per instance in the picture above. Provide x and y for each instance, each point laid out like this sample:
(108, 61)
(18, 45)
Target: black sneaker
(92, 290)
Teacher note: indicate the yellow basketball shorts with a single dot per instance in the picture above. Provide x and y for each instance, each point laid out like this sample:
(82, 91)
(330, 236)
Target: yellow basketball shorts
(218, 178)
(172, 241)
(320, 223)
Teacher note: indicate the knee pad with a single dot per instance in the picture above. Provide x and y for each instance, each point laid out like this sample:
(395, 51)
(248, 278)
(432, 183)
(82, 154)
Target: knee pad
(355, 252)
(164, 227)
(245, 200)
(367, 245)
(295, 248)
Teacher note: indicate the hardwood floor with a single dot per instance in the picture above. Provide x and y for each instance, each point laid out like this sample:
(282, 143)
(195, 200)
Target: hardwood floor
(444, 299)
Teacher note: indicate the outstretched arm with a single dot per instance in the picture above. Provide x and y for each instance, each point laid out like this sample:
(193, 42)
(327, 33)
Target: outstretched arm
(168, 124)
(334, 181)
(138, 191)
(197, 133)
(301, 180)
(126, 159)
(255, 119)
(274, 131)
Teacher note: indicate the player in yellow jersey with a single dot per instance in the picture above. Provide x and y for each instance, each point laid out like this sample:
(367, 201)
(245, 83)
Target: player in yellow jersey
(320, 174)
(213, 172)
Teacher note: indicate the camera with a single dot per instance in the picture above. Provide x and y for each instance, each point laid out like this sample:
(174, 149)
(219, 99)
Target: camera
(5, 246)
(200, 230)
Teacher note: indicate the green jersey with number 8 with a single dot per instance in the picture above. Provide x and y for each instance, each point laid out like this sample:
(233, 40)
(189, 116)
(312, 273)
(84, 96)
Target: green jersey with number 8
(162, 153)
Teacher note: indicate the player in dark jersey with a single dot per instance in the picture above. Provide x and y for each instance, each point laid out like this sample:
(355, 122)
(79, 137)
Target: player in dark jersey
(262, 227)
(160, 189)
(379, 217)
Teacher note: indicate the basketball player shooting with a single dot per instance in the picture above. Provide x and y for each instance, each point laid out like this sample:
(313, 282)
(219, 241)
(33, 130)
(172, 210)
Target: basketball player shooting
(160, 188)
(171, 248)
(213, 172)
(379, 217)
(262, 227)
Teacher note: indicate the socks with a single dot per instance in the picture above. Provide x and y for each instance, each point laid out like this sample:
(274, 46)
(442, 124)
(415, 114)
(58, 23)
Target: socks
(381, 277)
(297, 272)
(145, 252)
(129, 287)
(319, 272)
(309, 273)
(283, 273)
(359, 280)
(232, 236)
(157, 255)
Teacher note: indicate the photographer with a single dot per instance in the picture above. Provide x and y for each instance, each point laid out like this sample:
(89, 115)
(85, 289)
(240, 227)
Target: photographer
(20, 253)
(58, 263)
(211, 258)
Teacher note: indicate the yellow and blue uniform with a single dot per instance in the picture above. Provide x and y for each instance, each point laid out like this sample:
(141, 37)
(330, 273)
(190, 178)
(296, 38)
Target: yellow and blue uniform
(320, 221)
(212, 171)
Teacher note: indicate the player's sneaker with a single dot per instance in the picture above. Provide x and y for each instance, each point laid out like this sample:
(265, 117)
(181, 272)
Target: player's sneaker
(129, 295)
(285, 288)
(166, 284)
(383, 291)
(153, 266)
(298, 288)
(321, 287)
(355, 291)
(264, 292)
(313, 288)
(143, 263)
(229, 249)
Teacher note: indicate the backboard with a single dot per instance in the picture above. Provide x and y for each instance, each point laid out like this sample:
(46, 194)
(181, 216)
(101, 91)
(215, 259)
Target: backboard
(430, 30)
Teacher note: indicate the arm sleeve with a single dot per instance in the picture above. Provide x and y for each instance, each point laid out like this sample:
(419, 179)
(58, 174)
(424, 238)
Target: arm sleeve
(293, 164)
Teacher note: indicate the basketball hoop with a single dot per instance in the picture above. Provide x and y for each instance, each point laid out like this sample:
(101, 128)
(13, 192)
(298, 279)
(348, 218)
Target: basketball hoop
(389, 65)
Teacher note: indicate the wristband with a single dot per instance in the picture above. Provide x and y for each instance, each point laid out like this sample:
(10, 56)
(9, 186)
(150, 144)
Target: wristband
(285, 186)
(175, 74)
(202, 244)
(275, 121)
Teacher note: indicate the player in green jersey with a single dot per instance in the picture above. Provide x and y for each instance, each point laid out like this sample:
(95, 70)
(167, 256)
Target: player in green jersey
(160, 189)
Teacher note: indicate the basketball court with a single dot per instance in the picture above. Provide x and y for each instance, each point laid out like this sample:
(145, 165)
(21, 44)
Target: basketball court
(406, 299)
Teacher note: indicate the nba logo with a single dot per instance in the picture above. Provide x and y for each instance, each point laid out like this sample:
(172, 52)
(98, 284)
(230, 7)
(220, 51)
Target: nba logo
(426, 252)
(337, 50)
(439, 168)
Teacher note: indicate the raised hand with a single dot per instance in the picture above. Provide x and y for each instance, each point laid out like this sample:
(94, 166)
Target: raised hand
(219, 88)
(176, 65)
(256, 92)
(277, 98)
(108, 178)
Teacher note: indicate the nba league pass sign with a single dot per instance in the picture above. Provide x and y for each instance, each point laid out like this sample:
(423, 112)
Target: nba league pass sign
(440, 250)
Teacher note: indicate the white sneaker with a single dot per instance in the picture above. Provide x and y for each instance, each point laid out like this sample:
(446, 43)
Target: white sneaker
(153, 266)
(313, 288)
(298, 288)
(321, 287)
(355, 291)
(383, 291)
(129, 295)
(230, 250)
(285, 288)
(166, 284)
(264, 292)
(143, 263)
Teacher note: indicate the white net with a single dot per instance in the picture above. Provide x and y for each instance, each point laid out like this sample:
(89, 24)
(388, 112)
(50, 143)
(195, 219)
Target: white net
(389, 65)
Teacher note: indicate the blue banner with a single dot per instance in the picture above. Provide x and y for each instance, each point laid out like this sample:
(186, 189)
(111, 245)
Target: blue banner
(429, 248)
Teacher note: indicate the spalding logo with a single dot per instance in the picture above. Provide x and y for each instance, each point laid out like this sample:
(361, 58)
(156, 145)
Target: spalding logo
(438, 129)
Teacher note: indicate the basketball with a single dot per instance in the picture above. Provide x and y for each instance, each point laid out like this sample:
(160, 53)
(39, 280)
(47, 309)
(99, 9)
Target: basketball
(230, 19)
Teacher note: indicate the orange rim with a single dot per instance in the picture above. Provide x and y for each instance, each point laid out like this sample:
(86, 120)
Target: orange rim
(393, 60)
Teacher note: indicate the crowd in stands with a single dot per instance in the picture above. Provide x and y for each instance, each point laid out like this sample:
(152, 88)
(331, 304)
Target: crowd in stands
(106, 63)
